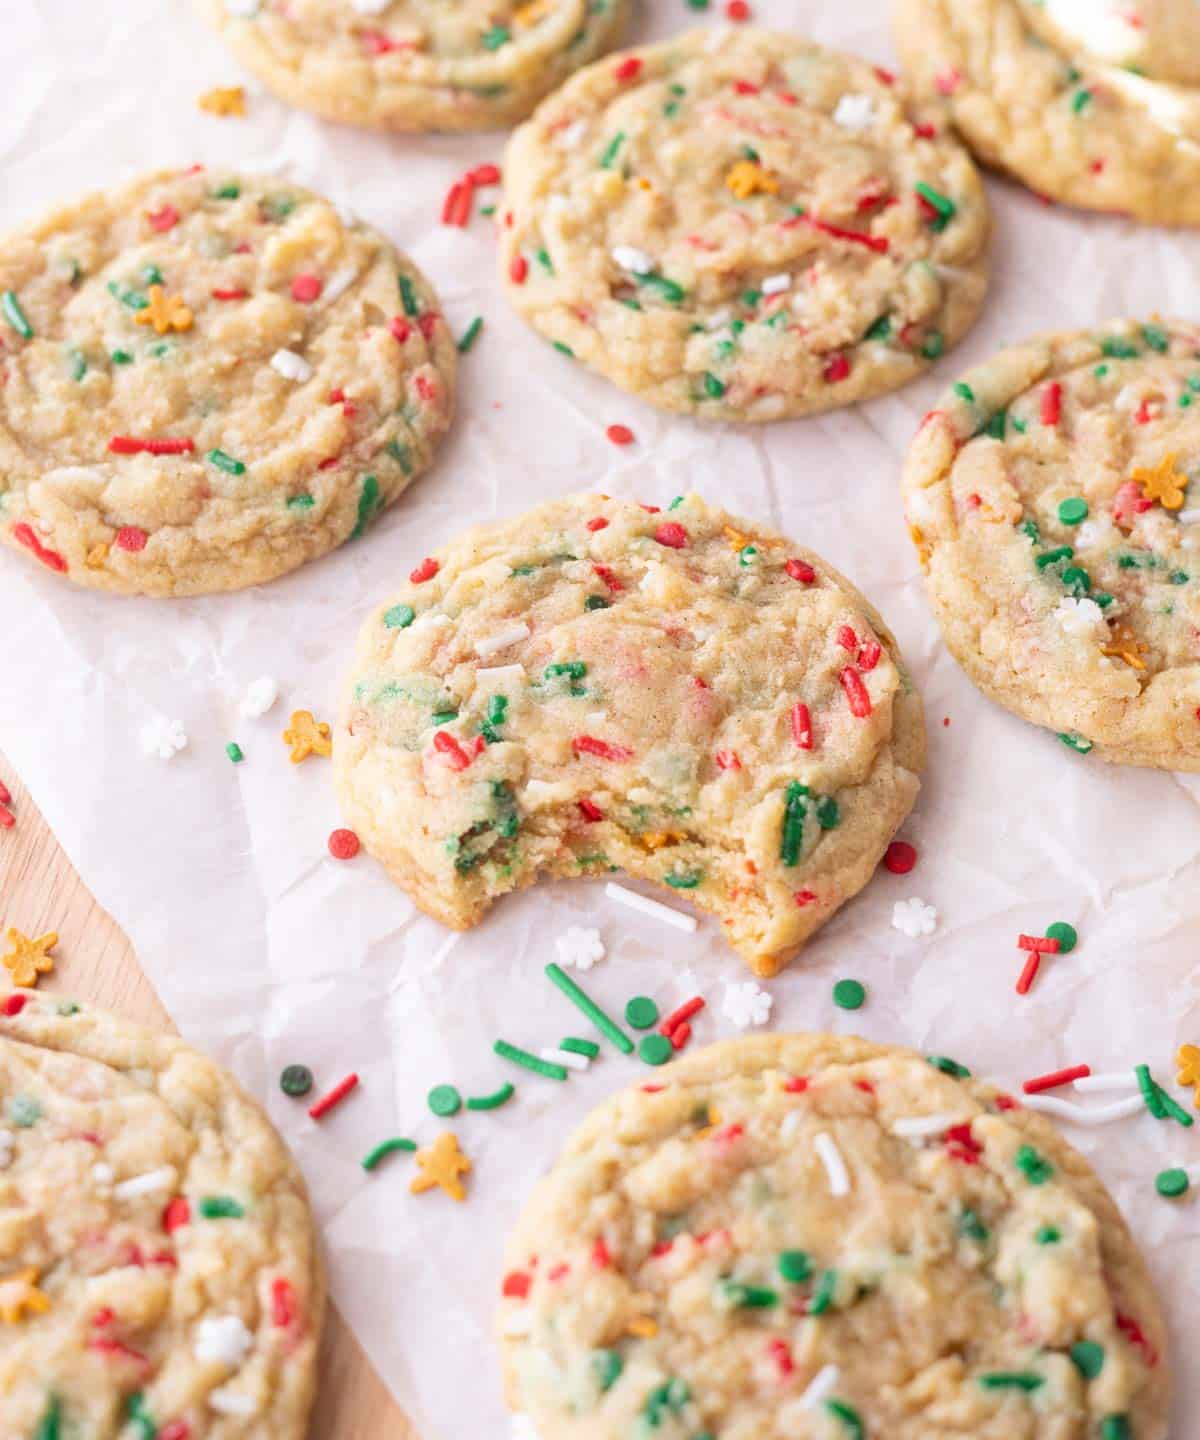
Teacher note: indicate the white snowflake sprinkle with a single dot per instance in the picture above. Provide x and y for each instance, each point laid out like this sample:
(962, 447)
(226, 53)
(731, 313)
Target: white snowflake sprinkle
(260, 695)
(913, 917)
(747, 1004)
(222, 1340)
(579, 949)
(636, 261)
(855, 112)
(776, 284)
(291, 366)
(1079, 617)
(163, 737)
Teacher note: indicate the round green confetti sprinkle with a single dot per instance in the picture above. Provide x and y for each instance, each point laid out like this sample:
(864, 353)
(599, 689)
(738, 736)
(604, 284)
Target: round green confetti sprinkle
(1115, 1427)
(655, 1049)
(1064, 934)
(445, 1100)
(1073, 511)
(296, 1080)
(596, 602)
(399, 617)
(641, 1012)
(849, 994)
(1088, 1358)
(235, 752)
(795, 1266)
(1047, 1235)
(1172, 1183)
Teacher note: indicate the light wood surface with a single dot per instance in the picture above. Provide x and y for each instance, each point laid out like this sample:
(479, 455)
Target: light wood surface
(40, 891)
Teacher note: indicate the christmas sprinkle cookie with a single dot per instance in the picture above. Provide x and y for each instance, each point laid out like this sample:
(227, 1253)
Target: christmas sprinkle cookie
(600, 685)
(208, 380)
(808, 1238)
(1052, 501)
(1096, 104)
(159, 1273)
(743, 230)
(409, 65)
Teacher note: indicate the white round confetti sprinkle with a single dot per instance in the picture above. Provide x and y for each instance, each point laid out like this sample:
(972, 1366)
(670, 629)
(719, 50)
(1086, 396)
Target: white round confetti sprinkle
(147, 1184)
(835, 1167)
(260, 695)
(653, 908)
(1078, 1114)
(636, 261)
(917, 1127)
(746, 1004)
(914, 918)
(775, 284)
(855, 112)
(222, 1340)
(823, 1383)
(578, 948)
(291, 366)
(102, 1174)
(502, 639)
(163, 737)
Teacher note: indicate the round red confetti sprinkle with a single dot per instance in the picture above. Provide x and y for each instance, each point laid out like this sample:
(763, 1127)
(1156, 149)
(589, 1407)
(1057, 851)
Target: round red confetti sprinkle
(737, 10)
(14, 1004)
(164, 219)
(620, 434)
(801, 570)
(516, 1285)
(600, 523)
(306, 288)
(628, 69)
(671, 534)
(900, 857)
(130, 537)
(518, 270)
(426, 570)
(343, 844)
(177, 1214)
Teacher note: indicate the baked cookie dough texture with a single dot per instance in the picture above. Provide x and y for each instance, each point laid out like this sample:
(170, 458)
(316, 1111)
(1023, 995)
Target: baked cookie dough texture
(1054, 498)
(743, 226)
(209, 379)
(416, 65)
(1090, 102)
(159, 1273)
(696, 1265)
(600, 685)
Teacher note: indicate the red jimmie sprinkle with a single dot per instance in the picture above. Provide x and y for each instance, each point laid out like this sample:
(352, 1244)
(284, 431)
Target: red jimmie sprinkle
(1039, 944)
(629, 68)
(445, 744)
(517, 1285)
(7, 818)
(609, 578)
(846, 638)
(5, 794)
(1029, 973)
(745, 87)
(781, 1352)
(456, 209)
(681, 1016)
(1136, 1336)
(176, 1430)
(801, 570)
(484, 175)
(307, 288)
(795, 1084)
(962, 1145)
(804, 897)
(25, 535)
(139, 445)
(283, 1303)
(868, 656)
(619, 435)
(426, 570)
(856, 692)
(235, 294)
(130, 537)
(590, 811)
(728, 760)
(801, 723)
(400, 328)
(343, 844)
(163, 219)
(518, 269)
(602, 749)
(671, 534)
(900, 857)
(14, 1004)
(836, 368)
(339, 1092)
(176, 1214)
(426, 323)
(878, 243)
(680, 1036)
(1055, 1078)
(599, 523)
(1052, 403)
(601, 1255)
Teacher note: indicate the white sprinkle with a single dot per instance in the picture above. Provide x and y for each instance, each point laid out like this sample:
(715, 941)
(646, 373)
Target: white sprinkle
(914, 918)
(259, 696)
(776, 284)
(565, 1057)
(516, 1322)
(719, 318)
(718, 37)
(649, 907)
(630, 258)
(501, 640)
(339, 282)
(522, 1428)
(232, 1402)
(243, 9)
(1116, 1080)
(823, 1383)
(578, 949)
(835, 1167)
(146, 1184)
(1079, 617)
(1189, 517)
(1078, 1115)
(291, 366)
(501, 674)
(370, 7)
(855, 112)
(746, 1004)
(790, 1123)
(569, 138)
(163, 737)
(916, 1127)
(102, 1174)
(222, 1340)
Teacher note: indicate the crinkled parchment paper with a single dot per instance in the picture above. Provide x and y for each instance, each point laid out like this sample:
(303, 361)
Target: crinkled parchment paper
(267, 951)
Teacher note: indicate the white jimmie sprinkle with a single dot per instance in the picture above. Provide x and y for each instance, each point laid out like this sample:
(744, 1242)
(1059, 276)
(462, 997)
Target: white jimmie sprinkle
(823, 1383)
(917, 1127)
(147, 1184)
(630, 258)
(501, 640)
(232, 1402)
(653, 908)
(776, 284)
(565, 1057)
(1078, 1114)
(1117, 1080)
(291, 366)
(835, 1167)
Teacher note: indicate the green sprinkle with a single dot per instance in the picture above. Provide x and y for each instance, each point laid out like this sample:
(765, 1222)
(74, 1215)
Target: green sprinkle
(1077, 581)
(572, 669)
(933, 346)
(641, 1012)
(225, 462)
(747, 555)
(1011, 1380)
(399, 617)
(609, 153)
(487, 210)
(296, 1080)
(997, 425)
(574, 1046)
(1052, 557)
(1150, 1092)
(303, 501)
(949, 1067)
(829, 817)
(713, 387)
(444, 1100)
(1073, 511)
(221, 1207)
(747, 1297)
(849, 1417)
(530, 1062)
(607, 1366)
(235, 752)
(400, 454)
(121, 357)
(1172, 1183)
(1088, 1358)
(880, 329)
(1156, 337)
(849, 994)
(470, 335)
(964, 392)
(1100, 371)
(131, 299)
(655, 1049)
(1065, 934)
(942, 204)
(24, 1111)
(795, 1266)
(1178, 577)
(1029, 528)
(68, 1007)
(443, 717)
(139, 1416)
(671, 292)
(76, 363)
(49, 1425)
(370, 502)
(970, 1225)
(596, 602)
(684, 879)
(228, 191)
(823, 1296)
(1036, 1170)
(697, 4)
(542, 256)
(386, 1147)
(408, 296)
(563, 349)
(494, 1100)
(1117, 349)
(1115, 1427)
(607, 1027)
(15, 316)
(795, 807)
(496, 37)
(1047, 1235)
(1080, 100)
(1074, 741)
(672, 1395)
(1172, 1110)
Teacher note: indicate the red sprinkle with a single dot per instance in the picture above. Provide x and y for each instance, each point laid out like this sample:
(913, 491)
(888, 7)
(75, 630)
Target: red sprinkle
(900, 857)
(1055, 1078)
(801, 722)
(1129, 1327)
(400, 328)
(629, 68)
(343, 844)
(671, 534)
(947, 82)
(163, 219)
(804, 897)
(135, 445)
(601, 1255)
(728, 760)
(801, 570)
(426, 570)
(445, 744)
(176, 1214)
(590, 811)
(130, 537)
(781, 1352)
(680, 1036)
(7, 818)
(1039, 944)
(335, 1096)
(737, 11)
(484, 175)
(14, 1004)
(609, 578)
(517, 1285)
(868, 656)
(518, 269)
(5, 794)
(603, 749)
(176, 1430)
(846, 638)
(795, 1085)
(962, 1145)
(426, 324)
(856, 692)
(837, 368)
(456, 209)
(283, 1303)
(238, 294)
(1052, 403)
(25, 535)
(619, 435)
(307, 288)
(1029, 973)
(599, 523)
(681, 1016)
(878, 243)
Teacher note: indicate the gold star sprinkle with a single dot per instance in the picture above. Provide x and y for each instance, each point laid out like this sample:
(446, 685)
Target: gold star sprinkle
(29, 958)
(749, 178)
(19, 1294)
(441, 1165)
(224, 100)
(165, 312)
(307, 736)
(1165, 483)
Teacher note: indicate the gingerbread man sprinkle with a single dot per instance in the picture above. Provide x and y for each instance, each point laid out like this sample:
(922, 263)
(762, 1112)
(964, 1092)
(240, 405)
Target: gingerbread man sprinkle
(442, 1165)
(307, 736)
(1165, 482)
(29, 959)
(165, 312)
(19, 1294)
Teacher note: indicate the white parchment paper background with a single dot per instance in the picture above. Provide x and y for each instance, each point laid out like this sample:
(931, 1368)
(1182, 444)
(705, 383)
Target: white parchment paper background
(267, 951)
